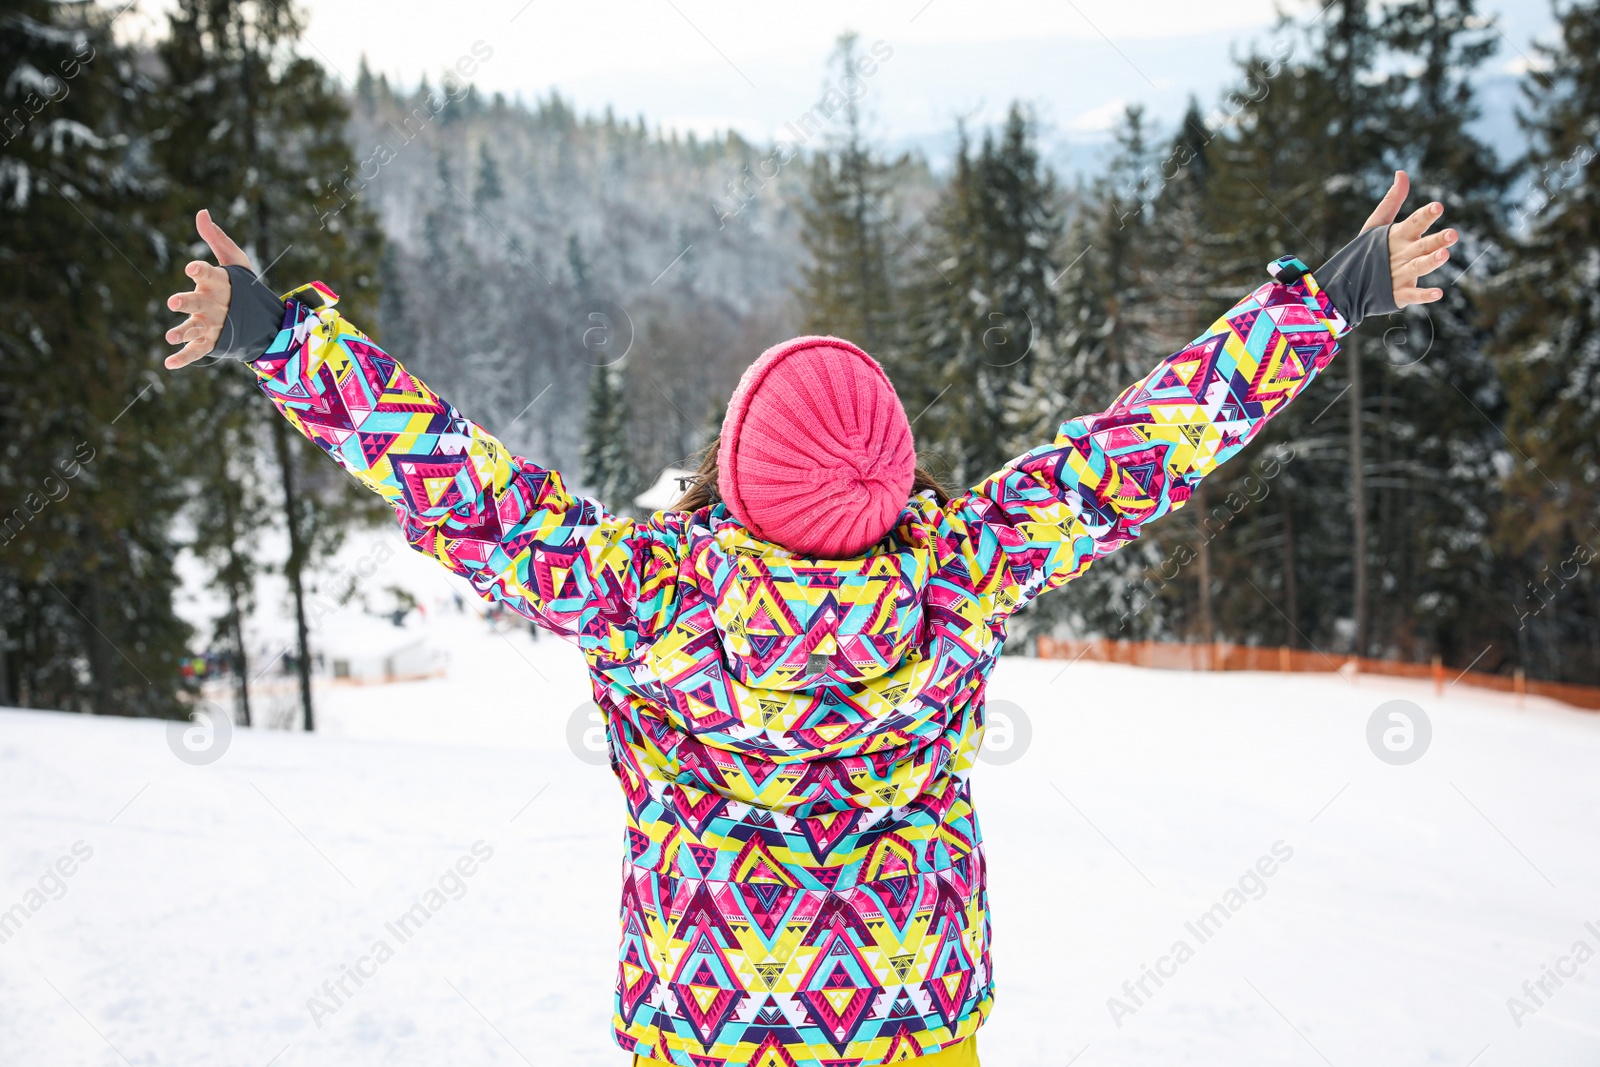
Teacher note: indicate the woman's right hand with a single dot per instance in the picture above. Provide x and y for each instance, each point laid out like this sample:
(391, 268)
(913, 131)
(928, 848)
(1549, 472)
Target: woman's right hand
(1413, 252)
(207, 302)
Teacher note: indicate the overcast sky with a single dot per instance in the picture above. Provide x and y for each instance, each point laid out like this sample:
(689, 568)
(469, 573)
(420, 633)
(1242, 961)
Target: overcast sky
(711, 64)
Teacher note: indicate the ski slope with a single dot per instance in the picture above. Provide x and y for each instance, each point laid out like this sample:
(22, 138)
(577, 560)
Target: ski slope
(1405, 904)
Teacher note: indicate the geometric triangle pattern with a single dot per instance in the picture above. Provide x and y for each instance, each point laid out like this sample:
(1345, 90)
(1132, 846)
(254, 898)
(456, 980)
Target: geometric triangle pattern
(1057, 509)
(805, 882)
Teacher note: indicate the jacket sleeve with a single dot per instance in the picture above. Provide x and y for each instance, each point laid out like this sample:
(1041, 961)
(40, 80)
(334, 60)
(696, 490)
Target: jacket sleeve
(506, 525)
(1038, 522)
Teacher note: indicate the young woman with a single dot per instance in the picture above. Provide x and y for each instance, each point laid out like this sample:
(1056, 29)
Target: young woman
(791, 664)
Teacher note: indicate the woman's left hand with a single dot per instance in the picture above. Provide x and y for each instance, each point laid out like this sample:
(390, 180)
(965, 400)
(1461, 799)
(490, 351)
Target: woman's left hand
(1413, 252)
(207, 303)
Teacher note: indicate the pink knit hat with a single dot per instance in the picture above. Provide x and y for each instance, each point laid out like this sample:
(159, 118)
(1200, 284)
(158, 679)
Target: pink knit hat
(816, 453)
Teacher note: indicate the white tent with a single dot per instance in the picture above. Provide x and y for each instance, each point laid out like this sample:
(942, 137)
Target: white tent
(661, 495)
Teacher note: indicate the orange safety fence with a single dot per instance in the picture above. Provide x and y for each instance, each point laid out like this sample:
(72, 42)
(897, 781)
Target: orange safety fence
(1225, 656)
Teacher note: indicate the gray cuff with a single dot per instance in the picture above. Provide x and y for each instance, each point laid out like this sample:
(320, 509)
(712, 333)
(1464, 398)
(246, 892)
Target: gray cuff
(255, 314)
(1357, 278)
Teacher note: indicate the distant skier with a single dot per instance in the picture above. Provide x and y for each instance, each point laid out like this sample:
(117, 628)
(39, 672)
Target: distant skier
(791, 663)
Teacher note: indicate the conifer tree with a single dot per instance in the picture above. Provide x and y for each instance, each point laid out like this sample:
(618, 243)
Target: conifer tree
(1396, 436)
(488, 188)
(229, 515)
(608, 467)
(278, 173)
(1103, 343)
(86, 487)
(1549, 348)
(1180, 268)
(1435, 396)
(1278, 187)
(848, 288)
(985, 306)
(366, 86)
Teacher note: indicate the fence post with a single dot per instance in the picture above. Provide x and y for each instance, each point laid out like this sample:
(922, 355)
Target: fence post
(1520, 683)
(1438, 676)
(1283, 658)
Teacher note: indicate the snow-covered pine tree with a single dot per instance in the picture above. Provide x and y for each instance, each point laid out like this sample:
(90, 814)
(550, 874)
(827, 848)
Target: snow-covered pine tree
(608, 468)
(984, 301)
(89, 475)
(1388, 93)
(229, 510)
(1549, 347)
(488, 187)
(848, 289)
(1301, 151)
(1184, 300)
(1434, 394)
(277, 171)
(1103, 343)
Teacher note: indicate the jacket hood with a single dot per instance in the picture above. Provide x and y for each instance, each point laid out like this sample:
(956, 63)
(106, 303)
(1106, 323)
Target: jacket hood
(788, 623)
(787, 659)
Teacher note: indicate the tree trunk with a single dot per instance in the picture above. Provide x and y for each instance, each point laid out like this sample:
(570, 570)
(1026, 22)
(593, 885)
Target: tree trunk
(241, 662)
(295, 564)
(1203, 557)
(293, 568)
(32, 626)
(1358, 499)
(1393, 633)
(235, 570)
(1290, 608)
(100, 649)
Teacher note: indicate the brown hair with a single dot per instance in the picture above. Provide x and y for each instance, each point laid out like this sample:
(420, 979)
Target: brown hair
(700, 488)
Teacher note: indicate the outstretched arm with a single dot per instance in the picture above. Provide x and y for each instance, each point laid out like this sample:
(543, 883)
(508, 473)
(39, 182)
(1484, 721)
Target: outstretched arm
(1041, 520)
(507, 525)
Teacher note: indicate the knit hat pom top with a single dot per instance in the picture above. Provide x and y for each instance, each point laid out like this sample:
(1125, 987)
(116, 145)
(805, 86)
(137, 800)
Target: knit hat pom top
(816, 452)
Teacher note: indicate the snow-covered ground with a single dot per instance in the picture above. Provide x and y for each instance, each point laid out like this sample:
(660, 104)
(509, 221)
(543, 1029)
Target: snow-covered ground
(207, 905)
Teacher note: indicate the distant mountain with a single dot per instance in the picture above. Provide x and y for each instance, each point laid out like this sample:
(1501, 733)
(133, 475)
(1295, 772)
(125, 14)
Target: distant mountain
(529, 245)
(513, 227)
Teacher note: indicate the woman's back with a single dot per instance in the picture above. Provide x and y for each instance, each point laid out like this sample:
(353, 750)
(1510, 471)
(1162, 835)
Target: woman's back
(794, 748)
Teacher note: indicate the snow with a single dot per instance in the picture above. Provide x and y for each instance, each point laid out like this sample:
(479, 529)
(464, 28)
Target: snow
(216, 900)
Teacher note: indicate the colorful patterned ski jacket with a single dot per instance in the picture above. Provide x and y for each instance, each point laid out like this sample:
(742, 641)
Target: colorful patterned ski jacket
(805, 879)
